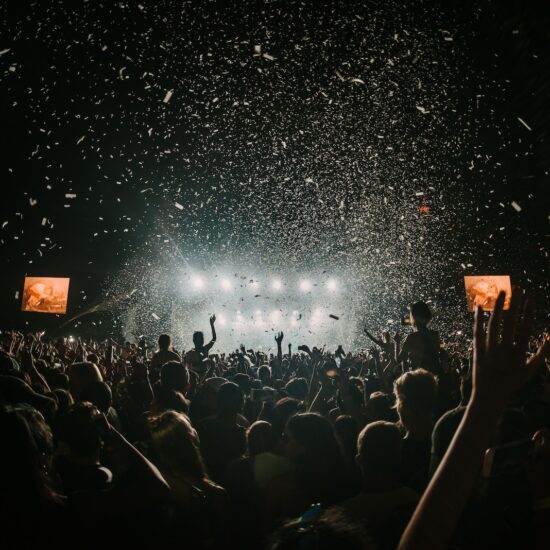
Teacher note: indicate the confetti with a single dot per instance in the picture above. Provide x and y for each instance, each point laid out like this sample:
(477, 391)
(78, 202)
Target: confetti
(525, 124)
(168, 96)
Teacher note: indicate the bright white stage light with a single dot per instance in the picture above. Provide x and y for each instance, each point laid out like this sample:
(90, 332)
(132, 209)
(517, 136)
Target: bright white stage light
(221, 319)
(258, 313)
(305, 285)
(276, 284)
(226, 284)
(332, 285)
(197, 282)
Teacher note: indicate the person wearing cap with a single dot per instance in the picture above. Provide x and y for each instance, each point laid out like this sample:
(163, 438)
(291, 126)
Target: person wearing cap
(421, 347)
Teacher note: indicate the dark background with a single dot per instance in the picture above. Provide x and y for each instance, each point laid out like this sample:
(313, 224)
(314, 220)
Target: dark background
(280, 164)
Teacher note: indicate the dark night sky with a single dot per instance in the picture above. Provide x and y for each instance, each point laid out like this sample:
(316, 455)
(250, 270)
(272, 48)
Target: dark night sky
(315, 154)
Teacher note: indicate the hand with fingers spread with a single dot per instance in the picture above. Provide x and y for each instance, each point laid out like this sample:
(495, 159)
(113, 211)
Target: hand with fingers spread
(279, 338)
(501, 366)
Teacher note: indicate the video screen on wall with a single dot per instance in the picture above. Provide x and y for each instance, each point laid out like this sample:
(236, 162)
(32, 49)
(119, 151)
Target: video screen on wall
(45, 294)
(483, 290)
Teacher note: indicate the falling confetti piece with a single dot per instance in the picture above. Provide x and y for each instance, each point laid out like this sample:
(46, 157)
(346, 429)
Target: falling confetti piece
(525, 124)
(168, 96)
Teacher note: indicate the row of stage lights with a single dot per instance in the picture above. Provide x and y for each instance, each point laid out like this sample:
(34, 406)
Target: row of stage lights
(260, 319)
(304, 285)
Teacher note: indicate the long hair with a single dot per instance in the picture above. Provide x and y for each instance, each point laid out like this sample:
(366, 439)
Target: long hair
(321, 467)
(176, 445)
(24, 460)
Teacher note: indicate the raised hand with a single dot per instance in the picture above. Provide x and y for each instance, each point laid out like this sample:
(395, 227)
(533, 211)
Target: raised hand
(279, 338)
(212, 320)
(500, 365)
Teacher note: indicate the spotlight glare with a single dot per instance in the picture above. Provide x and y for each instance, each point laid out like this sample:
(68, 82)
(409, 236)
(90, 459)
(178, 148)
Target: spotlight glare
(226, 285)
(276, 284)
(197, 282)
(332, 285)
(305, 285)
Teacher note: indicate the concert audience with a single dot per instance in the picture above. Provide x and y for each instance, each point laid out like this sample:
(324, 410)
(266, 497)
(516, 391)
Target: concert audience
(412, 447)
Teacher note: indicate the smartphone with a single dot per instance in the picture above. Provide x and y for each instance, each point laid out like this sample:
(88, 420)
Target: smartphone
(406, 321)
(508, 459)
(264, 395)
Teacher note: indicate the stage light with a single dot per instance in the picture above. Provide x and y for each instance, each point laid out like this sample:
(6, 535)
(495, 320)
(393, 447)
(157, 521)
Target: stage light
(221, 319)
(305, 285)
(332, 285)
(258, 312)
(226, 284)
(197, 282)
(276, 284)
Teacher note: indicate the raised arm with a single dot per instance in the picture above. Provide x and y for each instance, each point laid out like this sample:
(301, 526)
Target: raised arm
(213, 327)
(500, 368)
(279, 339)
(210, 344)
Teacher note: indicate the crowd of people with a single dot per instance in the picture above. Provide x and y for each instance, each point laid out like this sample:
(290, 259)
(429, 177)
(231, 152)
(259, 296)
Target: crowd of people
(401, 445)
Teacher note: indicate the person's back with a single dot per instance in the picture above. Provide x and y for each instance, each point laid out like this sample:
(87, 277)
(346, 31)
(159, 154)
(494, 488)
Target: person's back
(200, 507)
(421, 347)
(384, 505)
(415, 393)
(165, 352)
(223, 438)
(423, 350)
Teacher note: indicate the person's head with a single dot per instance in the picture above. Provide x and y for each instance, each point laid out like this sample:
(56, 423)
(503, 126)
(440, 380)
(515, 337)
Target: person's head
(297, 388)
(310, 435)
(8, 365)
(346, 429)
(167, 399)
(356, 395)
(165, 342)
(198, 340)
(98, 393)
(79, 429)
(379, 449)
(311, 445)
(420, 314)
(14, 390)
(176, 445)
(230, 399)
(243, 381)
(174, 376)
(25, 460)
(380, 407)
(415, 393)
(282, 411)
(82, 375)
(264, 374)
(260, 438)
